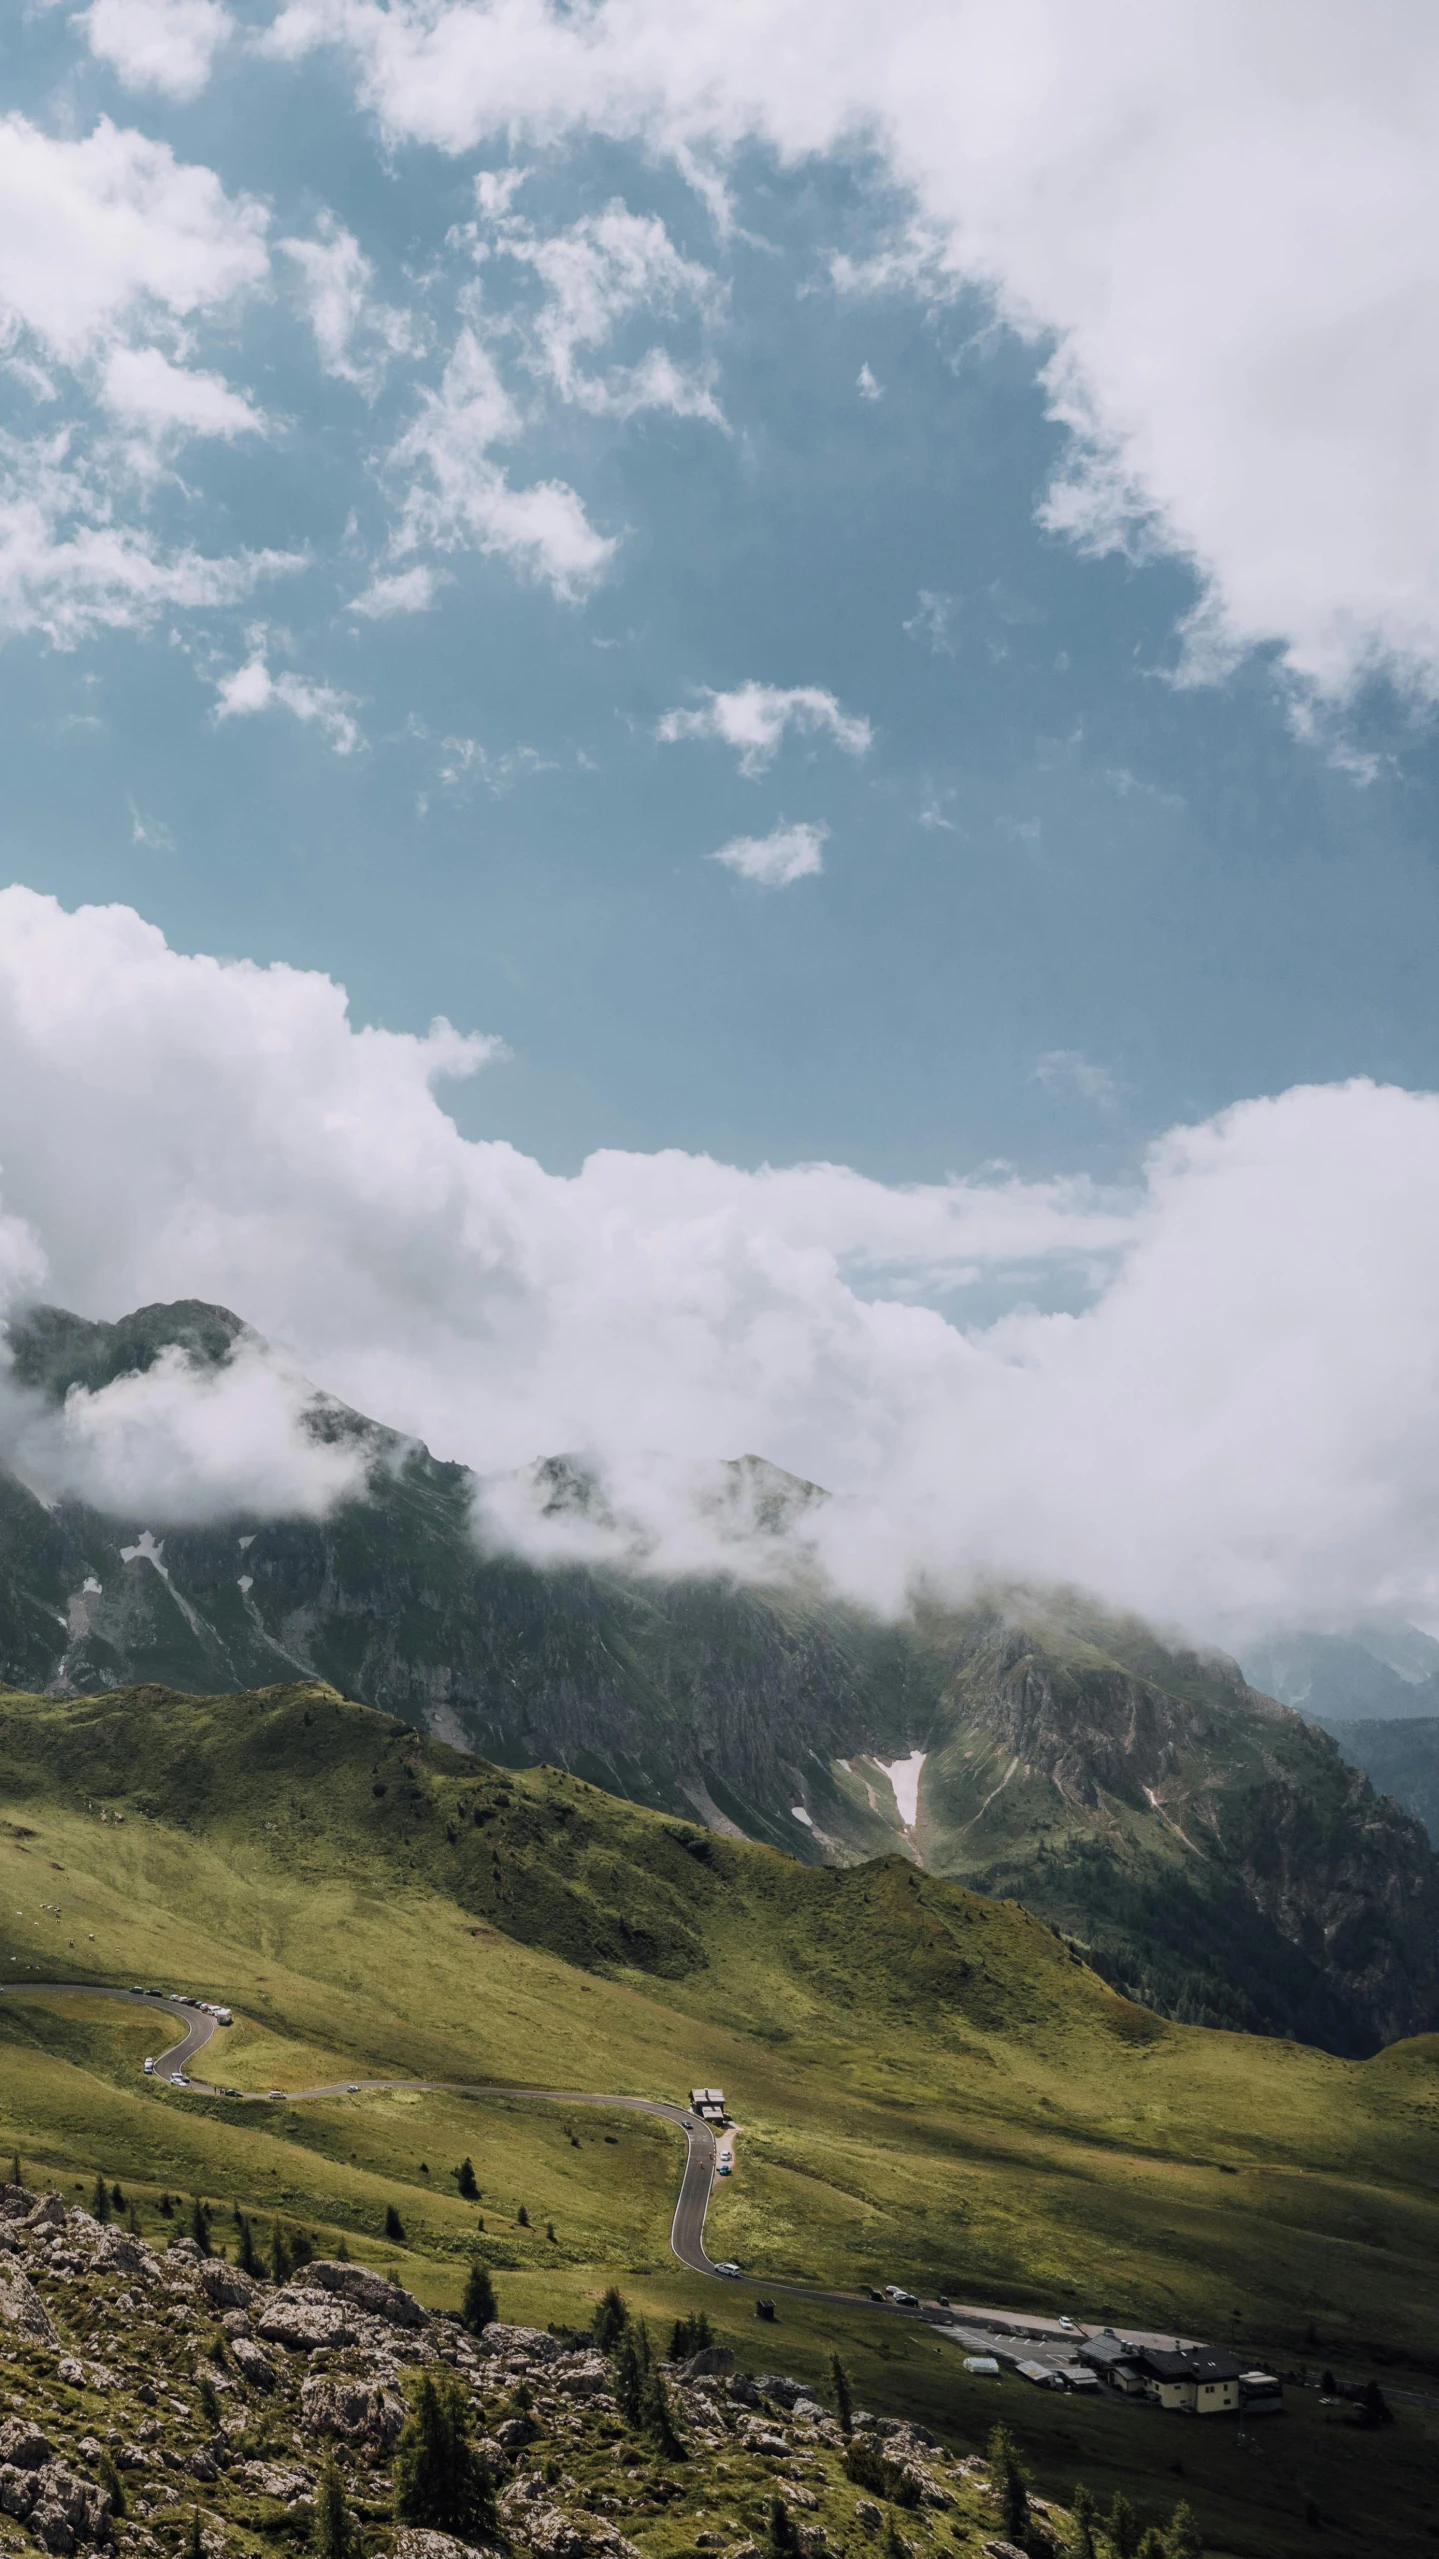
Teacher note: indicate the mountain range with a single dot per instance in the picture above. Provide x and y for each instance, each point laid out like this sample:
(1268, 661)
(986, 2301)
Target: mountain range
(1209, 1849)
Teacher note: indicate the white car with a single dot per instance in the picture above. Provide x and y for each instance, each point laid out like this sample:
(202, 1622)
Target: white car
(178, 2079)
(727, 2267)
(1065, 2323)
(352, 2088)
(901, 2299)
(149, 2061)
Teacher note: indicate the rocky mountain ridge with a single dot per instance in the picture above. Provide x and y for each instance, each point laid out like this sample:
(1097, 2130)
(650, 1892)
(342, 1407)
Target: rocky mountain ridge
(1210, 1849)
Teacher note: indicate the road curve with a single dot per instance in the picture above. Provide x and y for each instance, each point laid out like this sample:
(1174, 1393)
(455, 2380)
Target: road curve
(691, 2204)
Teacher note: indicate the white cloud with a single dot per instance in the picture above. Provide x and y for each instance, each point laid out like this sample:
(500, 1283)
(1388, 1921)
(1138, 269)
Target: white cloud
(933, 620)
(777, 860)
(251, 688)
(356, 334)
(112, 230)
(754, 718)
(1070, 1076)
(460, 495)
(605, 269)
(1240, 1426)
(69, 570)
(181, 1443)
(409, 591)
(866, 385)
(1222, 219)
(167, 45)
(143, 388)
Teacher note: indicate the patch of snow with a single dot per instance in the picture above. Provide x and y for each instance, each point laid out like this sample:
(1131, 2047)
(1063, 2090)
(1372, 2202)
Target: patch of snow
(904, 1776)
(799, 1814)
(147, 1552)
(91, 1585)
(247, 1581)
(247, 1541)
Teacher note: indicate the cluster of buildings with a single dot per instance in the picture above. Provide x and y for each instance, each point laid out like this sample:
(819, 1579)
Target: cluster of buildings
(708, 2103)
(1200, 2381)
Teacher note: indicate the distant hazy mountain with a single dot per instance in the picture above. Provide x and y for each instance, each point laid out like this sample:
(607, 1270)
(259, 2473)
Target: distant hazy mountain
(1402, 1759)
(1211, 1849)
(1374, 1670)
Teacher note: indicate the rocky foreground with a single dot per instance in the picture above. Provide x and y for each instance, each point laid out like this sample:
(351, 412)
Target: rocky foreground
(160, 2400)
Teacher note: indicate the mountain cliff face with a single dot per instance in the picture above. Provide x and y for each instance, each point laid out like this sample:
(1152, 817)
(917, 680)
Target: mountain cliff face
(1212, 1852)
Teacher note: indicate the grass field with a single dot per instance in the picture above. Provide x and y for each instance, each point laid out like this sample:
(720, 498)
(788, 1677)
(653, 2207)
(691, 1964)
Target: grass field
(933, 2090)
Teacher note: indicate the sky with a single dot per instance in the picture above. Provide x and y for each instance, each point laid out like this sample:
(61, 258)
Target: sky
(719, 731)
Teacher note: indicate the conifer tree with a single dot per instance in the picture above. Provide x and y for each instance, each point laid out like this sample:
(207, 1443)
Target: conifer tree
(100, 2200)
(113, 2484)
(843, 2397)
(479, 2306)
(200, 2227)
(1007, 2485)
(440, 2480)
(334, 2532)
(15, 2177)
(658, 2415)
(465, 2173)
(610, 2319)
(394, 2227)
(1182, 2539)
(632, 2360)
(1123, 2527)
(783, 2532)
(194, 2538)
(248, 2255)
(116, 2196)
(209, 2400)
(522, 2219)
(1086, 2516)
(1151, 2543)
(281, 2263)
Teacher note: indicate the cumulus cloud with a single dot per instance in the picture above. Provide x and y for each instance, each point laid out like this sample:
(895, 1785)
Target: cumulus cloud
(167, 45)
(356, 333)
(408, 591)
(252, 688)
(460, 496)
(1239, 1425)
(777, 860)
(68, 569)
(603, 270)
(753, 720)
(183, 1443)
(143, 388)
(1217, 223)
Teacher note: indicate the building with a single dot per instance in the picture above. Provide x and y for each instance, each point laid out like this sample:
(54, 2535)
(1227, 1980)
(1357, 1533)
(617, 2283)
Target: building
(1261, 2394)
(1195, 2381)
(708, 2103)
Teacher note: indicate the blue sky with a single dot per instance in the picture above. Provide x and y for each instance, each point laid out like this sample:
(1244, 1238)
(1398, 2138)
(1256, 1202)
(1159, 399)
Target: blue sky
(1064, 901)
(849, 591)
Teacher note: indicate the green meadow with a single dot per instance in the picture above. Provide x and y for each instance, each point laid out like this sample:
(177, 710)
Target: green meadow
(931, 2089)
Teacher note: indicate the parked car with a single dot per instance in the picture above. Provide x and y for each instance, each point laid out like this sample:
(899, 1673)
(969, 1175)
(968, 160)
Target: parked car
(149, 2062)
(896, 2295)
(874, 2296)
(723, 2169)
(727, 2266)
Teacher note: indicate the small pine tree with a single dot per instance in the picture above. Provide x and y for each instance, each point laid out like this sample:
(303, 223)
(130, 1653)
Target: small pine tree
(132, 2219)
(333, 2536)
(15, 2177)
(1008, 2487)
(522, 2219)
(194, 2538)
(465, 2173)
(209, 2401)
(1374, 2408)
(281, 2262)
(1123, 2527)
(167, 2205)
(116, 2196)
(394, 2227)
(1151, 2543)
(479, 2306)
(843, 2397)
(549, 2230)
(247, 2256)
(1182, 2539)
(632, 2360)
(113, 2485)
(100, 2200)
(440, 2480)
(611, 2318)
(342, 2250)
(1086, 2516)
(658, 2416)
(782, 2534)
(200, 2227)
(302, 2249)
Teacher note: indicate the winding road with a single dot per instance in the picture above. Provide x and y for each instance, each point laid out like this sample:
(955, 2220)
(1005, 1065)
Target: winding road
(691, 2204)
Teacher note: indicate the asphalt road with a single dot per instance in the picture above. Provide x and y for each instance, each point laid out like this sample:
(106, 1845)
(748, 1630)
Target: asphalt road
(691, 2204)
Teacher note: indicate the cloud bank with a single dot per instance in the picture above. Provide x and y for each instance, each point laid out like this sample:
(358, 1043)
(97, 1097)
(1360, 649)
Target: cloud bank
(1221, 222)
(1240, 1426)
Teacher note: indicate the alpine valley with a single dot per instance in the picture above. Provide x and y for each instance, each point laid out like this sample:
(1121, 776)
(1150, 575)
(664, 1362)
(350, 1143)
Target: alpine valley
(1209, 1850)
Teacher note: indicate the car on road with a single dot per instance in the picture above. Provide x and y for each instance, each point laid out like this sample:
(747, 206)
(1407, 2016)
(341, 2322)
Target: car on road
(1066, 2323)
(874, 2296)
(727, 2266)
(149, 2062)
(896, 2295)
(178, 2079)
(352, 2088)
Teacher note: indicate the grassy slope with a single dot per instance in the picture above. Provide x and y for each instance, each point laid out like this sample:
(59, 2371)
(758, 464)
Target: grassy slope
(933, 2089)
